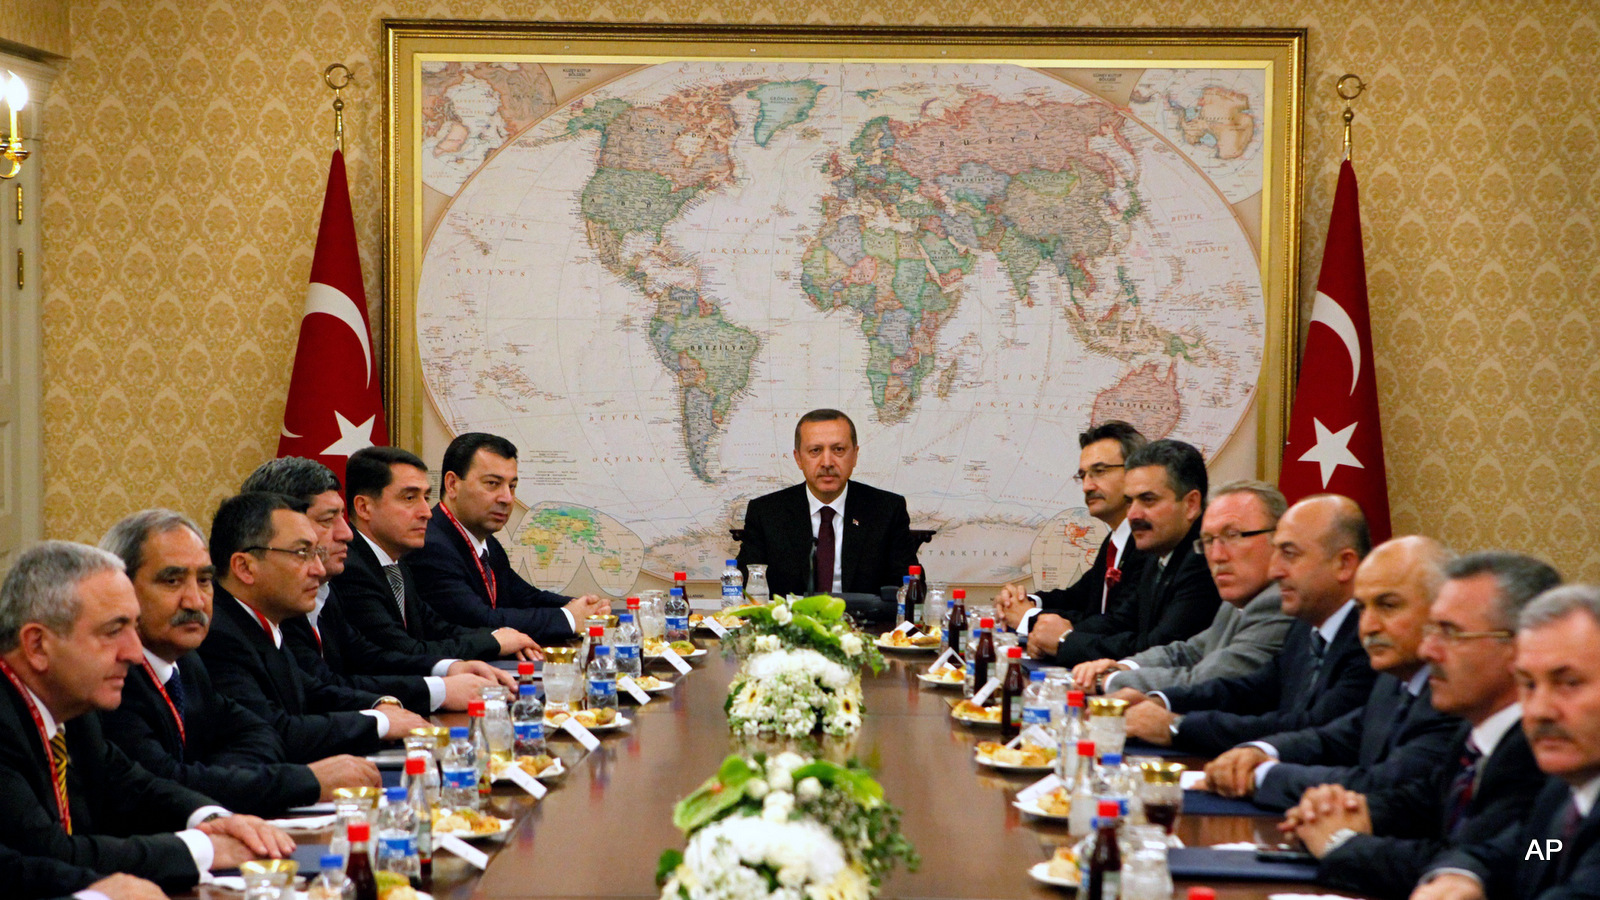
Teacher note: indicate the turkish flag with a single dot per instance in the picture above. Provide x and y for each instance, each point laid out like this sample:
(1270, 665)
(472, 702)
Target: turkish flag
(1335, 442)
(335, 404)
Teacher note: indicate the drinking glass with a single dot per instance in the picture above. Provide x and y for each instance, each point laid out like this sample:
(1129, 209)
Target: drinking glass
(1145, 874)
(1108, 725)
(1161, 793)
(652, 614)
(560, 678)
(755, 589)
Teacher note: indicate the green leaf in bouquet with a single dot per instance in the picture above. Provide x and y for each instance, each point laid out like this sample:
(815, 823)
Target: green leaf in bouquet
(719, 794)
(669, 863)
(822, 607)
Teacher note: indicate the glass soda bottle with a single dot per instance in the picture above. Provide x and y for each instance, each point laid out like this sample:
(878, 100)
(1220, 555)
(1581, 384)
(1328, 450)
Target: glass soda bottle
(1104, 881)
(1080, 818)
(527, 722)
(417, 797)
(956, 630)
(915, 593)
(459, 770)
(983, 656)
(358, 864)
(1011, 695)
(732, 585)
(627, 649)
(480, 745)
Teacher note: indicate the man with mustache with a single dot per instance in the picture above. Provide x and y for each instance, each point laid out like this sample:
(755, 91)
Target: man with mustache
(1166, 483)
(1045, 616)
(1379, 844)
(172, 721)
(1552, 852)
(830, 534)
(462, 570)
(1397, 735)
(324, 643)
(1320, 674)
(1236, 541)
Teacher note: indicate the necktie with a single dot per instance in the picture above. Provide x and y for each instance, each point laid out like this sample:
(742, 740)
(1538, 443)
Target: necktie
(1319, 649)
(1570, 820)
(175, 693)
(58, 748)
(824, 573)
(397, 586)
(1461, 789)
(1113, 574)
(1402, 709)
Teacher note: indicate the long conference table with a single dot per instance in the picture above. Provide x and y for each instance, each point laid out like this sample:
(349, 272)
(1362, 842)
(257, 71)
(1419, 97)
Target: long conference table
(601, 828)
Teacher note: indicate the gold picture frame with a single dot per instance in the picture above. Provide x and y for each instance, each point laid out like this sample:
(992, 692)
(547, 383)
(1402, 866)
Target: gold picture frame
(579, 60)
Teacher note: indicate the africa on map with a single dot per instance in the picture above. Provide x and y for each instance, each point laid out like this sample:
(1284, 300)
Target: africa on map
(644, 286)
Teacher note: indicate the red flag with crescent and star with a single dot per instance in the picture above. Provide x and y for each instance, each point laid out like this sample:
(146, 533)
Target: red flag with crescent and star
(1335, 442)
(335, 404)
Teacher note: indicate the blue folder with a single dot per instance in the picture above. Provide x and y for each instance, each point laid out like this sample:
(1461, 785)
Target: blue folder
(309, 856)
(1205, 863)
(1204, 803)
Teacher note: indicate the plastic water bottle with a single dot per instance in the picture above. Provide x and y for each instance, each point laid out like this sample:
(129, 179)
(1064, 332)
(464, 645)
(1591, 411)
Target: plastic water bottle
(732, 585)
(900, 599)
(479, 737)
(460, 771)
(602, 680)
(944, 624)
(497, 724)
(331, 884)
(421, 803)
(1035, 704)
(677, 616)
(527, 721)
(397, 836)
(627, 648)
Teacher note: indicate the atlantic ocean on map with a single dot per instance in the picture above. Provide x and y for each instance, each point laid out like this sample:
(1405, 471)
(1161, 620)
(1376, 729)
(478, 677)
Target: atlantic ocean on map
(646, 287)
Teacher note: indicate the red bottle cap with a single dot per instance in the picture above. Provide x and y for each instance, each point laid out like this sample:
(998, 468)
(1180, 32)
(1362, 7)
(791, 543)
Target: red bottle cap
(1014, 652)
(986, 623)
(1109, 809)
(633, 602)
(474, 707)
(525, 668)
(916, 570)
(680, 576)
(959, 593)
(414, 765)
(1074, 698)
(359, 832)
(1202, 893)
(598, 631)
(1086, 748)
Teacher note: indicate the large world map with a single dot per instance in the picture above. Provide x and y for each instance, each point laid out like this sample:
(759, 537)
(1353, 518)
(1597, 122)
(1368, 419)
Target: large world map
(644, 285)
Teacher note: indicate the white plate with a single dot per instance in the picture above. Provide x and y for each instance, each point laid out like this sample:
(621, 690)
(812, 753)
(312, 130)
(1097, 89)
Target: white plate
(1033, 809)
(925, 678)
(976, 723)
(505, 826)
(698, 652)
(661, 688)
(1040, 872)
(555, 770)
(1010, 767)
(621, 721)
(884, 645)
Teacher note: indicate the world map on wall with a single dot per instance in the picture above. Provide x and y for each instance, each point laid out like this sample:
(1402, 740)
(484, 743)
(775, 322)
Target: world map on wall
(645, 285)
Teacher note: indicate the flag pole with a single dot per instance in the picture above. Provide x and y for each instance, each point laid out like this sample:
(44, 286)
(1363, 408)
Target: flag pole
(344, 82)
(1354, 91)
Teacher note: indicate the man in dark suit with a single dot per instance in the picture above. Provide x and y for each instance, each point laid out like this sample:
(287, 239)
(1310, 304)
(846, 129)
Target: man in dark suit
(830, 534)
(1166, 487)
(39, 877)
(1102, 450)
(1380, 844)
(269, 566)
(67, 638)
(387, 490)
(463, 572)
(1397, 735)
(324, 643)
(1321, 673)
(172, 720)
(1553, 852)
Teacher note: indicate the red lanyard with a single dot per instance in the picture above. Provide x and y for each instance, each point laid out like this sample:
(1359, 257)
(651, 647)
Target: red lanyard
(183, 737)
(266, 624)
(483, 571)
(49, 750)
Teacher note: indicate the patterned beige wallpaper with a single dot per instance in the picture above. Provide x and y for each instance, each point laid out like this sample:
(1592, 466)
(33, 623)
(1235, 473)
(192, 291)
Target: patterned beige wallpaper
(188, 144)
(39, 26)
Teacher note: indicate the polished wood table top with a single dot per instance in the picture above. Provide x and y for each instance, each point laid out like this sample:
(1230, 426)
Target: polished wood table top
(600, 830)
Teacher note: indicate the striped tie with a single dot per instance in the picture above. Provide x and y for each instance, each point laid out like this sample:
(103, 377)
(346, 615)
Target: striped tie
(58, 747)
(397, 586)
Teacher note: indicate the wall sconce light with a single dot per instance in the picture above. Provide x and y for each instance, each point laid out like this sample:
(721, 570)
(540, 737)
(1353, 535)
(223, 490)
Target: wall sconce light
(16, 97)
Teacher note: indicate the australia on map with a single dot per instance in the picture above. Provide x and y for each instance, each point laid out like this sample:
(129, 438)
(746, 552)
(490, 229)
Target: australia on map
(647, 284)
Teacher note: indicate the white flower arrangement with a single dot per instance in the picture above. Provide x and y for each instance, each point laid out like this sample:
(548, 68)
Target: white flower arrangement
(801, 672)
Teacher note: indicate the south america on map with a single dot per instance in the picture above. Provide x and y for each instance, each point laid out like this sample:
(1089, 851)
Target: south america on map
(647, 286)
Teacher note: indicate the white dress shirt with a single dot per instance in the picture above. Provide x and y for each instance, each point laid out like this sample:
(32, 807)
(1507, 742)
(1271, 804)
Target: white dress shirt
(838, 532)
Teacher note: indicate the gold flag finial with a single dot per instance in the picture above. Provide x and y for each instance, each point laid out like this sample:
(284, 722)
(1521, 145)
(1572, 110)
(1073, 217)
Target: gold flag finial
(328, 78)
(1349, 94)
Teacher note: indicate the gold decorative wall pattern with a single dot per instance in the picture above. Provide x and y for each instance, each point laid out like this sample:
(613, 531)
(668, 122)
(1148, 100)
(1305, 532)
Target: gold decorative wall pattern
(188, 143)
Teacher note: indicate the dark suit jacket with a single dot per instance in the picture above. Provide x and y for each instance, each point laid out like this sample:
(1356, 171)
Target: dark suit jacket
(1365, 749)
(370, 609)
(1081, 600)
(1409, 821)
(338, 654)
(448, 579)
(314, 718)
(122, 816)
(1508, 870)
(1280, 696)
(1170, 604)
(38, 877)
(227, 753)
(878, 547)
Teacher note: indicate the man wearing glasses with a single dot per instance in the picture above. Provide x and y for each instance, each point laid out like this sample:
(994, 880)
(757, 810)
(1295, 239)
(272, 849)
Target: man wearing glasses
(1046, 615)
(1380, 843)
(1235, 540)
(269, 566)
